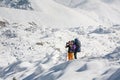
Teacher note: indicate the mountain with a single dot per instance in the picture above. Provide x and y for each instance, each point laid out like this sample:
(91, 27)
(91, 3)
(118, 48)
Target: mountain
(48, 11)
(104, 11)
(17, 4)
(33, 35)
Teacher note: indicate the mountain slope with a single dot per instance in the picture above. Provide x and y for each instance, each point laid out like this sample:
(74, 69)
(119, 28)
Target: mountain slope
(82, 13)
(104, 11)
(47, 11)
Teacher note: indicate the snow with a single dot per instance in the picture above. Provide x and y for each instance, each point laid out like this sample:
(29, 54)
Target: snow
(32, 42)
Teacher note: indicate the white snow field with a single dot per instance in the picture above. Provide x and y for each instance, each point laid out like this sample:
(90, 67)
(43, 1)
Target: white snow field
(33, 35)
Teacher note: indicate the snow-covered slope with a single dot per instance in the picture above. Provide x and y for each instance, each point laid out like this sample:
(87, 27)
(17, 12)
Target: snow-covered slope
(104, 11)
(32, 42)
(36, 52)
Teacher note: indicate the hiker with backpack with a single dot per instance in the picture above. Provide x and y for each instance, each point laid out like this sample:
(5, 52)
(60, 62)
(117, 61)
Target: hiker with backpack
(77, 43)
(71, 49)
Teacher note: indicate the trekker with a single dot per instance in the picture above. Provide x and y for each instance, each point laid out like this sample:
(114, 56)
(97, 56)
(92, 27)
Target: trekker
(78, 47)
(71, 48)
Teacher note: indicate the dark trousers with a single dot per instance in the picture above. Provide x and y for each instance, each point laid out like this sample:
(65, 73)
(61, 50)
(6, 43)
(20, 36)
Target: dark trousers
(75, 55)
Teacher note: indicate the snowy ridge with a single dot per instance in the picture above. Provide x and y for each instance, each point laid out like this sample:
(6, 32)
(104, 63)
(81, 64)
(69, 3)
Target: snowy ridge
(82, 70)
